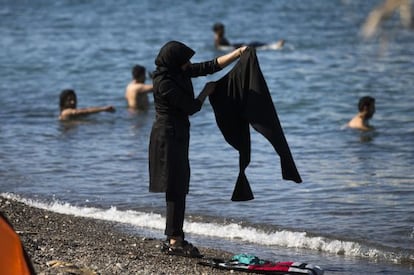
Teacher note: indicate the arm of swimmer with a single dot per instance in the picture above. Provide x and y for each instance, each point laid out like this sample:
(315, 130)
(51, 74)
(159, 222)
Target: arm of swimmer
(145, 88)
(69, 113)
(92, 110)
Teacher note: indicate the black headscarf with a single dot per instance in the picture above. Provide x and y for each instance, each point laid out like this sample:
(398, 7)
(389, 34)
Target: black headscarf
(173, 55)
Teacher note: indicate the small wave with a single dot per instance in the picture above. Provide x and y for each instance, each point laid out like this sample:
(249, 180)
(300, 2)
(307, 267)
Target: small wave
(141, 219)
(231, 231)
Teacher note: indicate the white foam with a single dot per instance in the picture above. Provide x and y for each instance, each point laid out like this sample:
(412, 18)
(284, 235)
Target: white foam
(232, 231)
(136, 218)
(282, 238)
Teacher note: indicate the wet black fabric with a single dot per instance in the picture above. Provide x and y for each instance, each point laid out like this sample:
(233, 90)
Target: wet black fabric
(242, 98)
(169, 166)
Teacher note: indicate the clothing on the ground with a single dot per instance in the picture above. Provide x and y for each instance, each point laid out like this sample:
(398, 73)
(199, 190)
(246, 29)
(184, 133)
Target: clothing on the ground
(242, 98)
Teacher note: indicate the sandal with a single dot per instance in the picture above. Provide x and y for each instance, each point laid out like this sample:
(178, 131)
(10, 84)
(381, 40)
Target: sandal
(181, 248)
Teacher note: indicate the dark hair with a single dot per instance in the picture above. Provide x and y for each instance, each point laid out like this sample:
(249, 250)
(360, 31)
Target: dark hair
(218, 27)
(64, 102)
(365, 101)
(138, 71)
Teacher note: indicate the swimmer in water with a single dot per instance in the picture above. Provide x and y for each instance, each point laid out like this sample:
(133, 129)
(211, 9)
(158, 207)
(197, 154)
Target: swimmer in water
(366, 107)
(222, 43)
(136, 92)
(68, 108)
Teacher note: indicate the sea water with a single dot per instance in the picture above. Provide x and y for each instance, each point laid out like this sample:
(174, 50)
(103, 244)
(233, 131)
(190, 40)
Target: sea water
(354, 211)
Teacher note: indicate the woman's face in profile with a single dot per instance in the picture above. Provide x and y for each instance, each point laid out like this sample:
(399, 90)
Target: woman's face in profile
(185, 66)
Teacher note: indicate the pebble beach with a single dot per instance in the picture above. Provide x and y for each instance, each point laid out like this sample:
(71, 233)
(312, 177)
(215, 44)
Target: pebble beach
(66, 244)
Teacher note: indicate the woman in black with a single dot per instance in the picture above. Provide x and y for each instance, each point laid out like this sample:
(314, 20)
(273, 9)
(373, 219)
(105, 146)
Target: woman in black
(174, 100)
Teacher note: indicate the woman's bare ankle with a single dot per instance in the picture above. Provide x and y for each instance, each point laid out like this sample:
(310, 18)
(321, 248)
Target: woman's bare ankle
(174, 240)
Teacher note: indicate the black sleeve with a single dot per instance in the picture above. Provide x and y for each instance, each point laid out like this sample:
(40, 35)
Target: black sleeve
(177, 98)
(204, 68)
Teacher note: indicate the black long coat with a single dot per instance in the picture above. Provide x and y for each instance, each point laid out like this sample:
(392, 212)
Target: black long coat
(169, 166)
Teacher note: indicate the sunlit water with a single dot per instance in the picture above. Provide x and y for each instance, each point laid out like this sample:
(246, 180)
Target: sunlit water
(354, 213)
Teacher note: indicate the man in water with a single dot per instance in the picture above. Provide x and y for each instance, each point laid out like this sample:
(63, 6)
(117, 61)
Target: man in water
(68, 108)
(221, 42)
(136, 92)
(366, 107)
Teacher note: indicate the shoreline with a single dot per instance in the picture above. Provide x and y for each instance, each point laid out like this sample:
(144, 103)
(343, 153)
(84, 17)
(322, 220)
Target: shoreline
(67, 244)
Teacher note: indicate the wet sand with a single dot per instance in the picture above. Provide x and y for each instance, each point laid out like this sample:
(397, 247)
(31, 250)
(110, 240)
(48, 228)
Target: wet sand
(66, 244)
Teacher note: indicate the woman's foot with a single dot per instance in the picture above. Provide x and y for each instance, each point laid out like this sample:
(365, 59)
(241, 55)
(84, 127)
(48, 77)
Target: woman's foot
(180, 248)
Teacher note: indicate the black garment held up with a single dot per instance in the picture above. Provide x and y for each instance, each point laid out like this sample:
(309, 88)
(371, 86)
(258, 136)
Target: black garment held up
(241, 98)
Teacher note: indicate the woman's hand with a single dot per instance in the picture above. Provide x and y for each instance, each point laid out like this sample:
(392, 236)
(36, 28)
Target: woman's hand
(241, 50)
(110, 109)
(208, 89)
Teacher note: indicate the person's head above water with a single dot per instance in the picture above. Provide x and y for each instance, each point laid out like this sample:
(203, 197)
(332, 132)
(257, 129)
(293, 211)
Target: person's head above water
(173, 55)
(138, 73)
(67, 99)
(218, 28)
(366, 104)
(366, 110)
